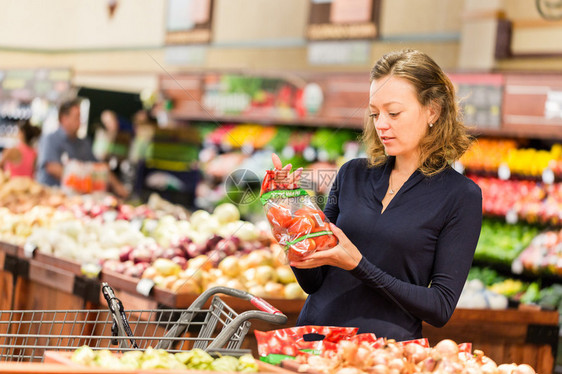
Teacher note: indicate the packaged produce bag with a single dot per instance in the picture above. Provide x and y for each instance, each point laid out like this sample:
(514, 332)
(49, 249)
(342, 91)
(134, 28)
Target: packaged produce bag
(287, 343)
(297, 223)
(277, 345)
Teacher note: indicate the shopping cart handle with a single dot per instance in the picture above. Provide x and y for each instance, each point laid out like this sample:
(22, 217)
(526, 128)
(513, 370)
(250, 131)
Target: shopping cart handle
(263, 305)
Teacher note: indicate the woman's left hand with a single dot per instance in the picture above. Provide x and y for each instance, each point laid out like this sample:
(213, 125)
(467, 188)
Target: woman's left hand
(345, 255)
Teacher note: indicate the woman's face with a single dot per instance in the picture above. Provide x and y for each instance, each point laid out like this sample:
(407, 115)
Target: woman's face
(399, 118)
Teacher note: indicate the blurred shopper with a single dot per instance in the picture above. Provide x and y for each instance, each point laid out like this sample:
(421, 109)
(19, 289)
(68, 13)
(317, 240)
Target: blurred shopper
(19, 161)
(406, 221)
(105, 135)
(63, 144)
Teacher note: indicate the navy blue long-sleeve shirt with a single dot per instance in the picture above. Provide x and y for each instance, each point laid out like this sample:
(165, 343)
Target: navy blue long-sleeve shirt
(416, 254)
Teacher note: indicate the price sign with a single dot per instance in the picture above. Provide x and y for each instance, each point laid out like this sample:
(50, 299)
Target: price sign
(511, 217)
(145, 286)
(517, 267)
(548, 176)
(247, 148)
(309, 154)
(323, 155)
(288, 152)
(29, 250)
(504, 173)
(90, 270)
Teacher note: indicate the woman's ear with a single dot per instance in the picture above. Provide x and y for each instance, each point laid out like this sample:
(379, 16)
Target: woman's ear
(433, 112)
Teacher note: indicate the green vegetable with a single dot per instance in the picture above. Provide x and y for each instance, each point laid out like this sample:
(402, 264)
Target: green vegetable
(106, 359)
(131, 359)
(531, 294)
(501, 242)
(224, 363)
(248, 363)
(84, 355)
(195, 359)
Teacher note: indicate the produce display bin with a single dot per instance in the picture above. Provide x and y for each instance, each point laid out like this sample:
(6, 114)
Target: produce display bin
(512, 335)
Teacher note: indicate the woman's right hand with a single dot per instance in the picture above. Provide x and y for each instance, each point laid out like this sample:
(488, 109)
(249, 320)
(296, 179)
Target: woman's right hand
(283, 174)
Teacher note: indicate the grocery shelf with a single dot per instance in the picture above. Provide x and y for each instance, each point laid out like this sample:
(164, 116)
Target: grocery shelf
(347, 123)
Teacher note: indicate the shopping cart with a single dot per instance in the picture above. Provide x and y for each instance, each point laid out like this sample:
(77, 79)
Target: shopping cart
(26, 334)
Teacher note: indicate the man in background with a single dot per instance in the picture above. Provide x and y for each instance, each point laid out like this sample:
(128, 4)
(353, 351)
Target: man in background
(63, 144)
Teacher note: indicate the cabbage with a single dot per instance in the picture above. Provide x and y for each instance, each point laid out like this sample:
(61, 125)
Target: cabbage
(247, 363)
(83, 355)
(106, 359)
(225, 363)
(195, 359)
(131, 359)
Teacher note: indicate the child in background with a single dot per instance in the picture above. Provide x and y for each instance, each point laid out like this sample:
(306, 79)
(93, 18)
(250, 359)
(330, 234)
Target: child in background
(20, 160)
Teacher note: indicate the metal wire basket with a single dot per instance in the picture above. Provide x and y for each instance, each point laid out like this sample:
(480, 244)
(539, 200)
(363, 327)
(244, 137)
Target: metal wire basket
(26, 334)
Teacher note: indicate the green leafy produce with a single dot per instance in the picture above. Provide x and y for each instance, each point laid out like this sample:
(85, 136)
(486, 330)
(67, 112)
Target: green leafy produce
(247, 363)
(486, 275)
(332, 141)
(551, 297)
(84, 355)
(532, 293)
(196, 359)
(281, 139)
(501, 242)
(225, 363)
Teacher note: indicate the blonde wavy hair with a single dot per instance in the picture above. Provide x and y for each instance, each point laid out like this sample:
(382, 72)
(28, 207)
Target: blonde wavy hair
(448, 139)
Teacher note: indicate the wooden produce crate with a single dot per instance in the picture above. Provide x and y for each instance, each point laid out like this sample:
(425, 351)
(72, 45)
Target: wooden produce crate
(506, 336)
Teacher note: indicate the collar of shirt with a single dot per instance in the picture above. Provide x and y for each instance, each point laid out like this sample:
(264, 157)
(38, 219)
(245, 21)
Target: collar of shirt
(380, 180)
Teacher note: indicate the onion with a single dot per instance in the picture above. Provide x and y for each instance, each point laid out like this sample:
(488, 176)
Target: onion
(229, 266)
(293, 291)
(274, 290)
(236, 284)
(349, 370)
(428, 364)
(524, 369)
(415, 352)
(396, 363)
(507, 368)
(265, 274)
(347, 351)
(180, 260)
(363, 356)
(150, 273)
(285, 274)
(380, 357)
(226, 212)
(166, 267)
(379, 369)
(447, 348)
(200, 262)
(489, 366)
(185, 286)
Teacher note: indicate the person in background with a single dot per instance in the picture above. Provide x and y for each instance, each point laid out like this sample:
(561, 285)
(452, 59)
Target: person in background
(105, 135)
(406, 221)
(63, 144)
(19, 161)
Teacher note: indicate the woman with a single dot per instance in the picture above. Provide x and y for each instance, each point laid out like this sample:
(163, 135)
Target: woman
(19, 161)
(407, 223)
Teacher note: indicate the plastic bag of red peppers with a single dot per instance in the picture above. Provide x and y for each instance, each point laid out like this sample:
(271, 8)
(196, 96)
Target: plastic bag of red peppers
(297, 223)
